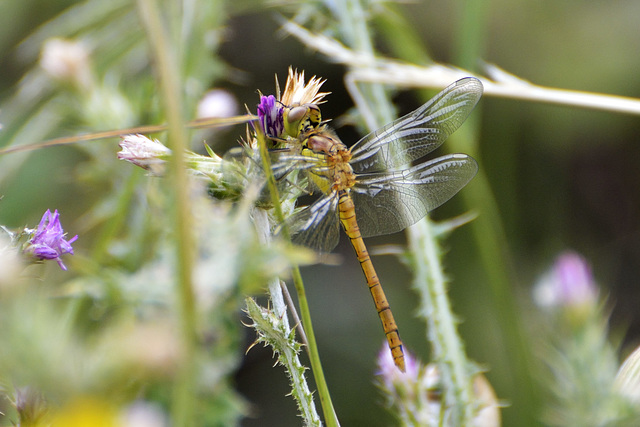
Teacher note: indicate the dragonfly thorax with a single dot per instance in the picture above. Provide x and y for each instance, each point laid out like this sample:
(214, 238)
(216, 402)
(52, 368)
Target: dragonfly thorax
(336, 172)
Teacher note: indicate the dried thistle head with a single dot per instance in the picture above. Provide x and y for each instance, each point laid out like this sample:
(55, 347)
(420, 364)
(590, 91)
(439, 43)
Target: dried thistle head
(296, 92)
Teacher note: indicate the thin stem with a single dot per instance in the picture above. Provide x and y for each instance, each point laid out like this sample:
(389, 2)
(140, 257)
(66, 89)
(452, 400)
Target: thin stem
(451, 357)
(447, 347)
(314, 356)
(261, 223)
(294, 314)
(364, 68)
(183, 412)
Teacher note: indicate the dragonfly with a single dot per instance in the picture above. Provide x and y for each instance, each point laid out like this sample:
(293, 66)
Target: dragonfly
(372, 188)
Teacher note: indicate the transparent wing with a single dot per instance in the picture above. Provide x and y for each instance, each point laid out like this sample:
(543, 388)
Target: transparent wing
(239, 170)
(242, 167)
(317, 226)
(390, 202)
(418, 133)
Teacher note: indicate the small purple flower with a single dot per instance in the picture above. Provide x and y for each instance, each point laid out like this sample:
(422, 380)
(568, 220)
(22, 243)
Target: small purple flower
(270, 116)
(48, 240)
(30, 405)
(569, 283)
(391, 377)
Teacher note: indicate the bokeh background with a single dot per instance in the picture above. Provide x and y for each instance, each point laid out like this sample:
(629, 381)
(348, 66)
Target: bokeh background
(562, 177)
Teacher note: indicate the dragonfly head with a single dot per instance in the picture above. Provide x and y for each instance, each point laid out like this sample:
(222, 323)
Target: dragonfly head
(301, 119)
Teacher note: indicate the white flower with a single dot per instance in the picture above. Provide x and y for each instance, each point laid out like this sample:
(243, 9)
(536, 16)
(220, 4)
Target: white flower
(217, 103)
(66, 60)
(144, 152)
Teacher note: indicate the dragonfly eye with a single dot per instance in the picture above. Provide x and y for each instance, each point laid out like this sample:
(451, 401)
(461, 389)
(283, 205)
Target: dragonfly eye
(296, 114)
(301, 119)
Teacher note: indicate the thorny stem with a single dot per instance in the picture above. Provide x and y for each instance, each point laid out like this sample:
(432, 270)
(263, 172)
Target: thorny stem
(400, 74)
(452, 359)
(167, 67)
(314, 357)
(261, 223)
(447, 347)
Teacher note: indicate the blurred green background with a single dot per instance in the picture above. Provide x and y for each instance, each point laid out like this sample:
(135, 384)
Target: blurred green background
(563, 178)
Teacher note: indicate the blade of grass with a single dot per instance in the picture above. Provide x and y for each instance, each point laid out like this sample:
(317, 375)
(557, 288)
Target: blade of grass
(488, 230)
(165, 56)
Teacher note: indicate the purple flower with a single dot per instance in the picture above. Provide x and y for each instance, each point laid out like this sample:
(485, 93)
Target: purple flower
(48, 240)
(569, 283)
(270, 116)
(391, 377)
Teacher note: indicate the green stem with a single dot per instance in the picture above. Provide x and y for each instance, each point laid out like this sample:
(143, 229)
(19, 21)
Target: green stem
(165, 56)
(451, 358)
(115, 222)
(312, 347)
(487, 229)
(448, 349)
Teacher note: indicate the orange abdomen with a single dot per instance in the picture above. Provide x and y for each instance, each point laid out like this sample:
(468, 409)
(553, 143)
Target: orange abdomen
(348, 220)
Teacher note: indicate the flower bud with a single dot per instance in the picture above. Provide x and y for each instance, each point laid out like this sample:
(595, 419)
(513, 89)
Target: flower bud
(144, 414)
(568, 284)
(217, 103)
(628, 378)
(416, 395)
(31, 406)
(144, 152)
(67, 61)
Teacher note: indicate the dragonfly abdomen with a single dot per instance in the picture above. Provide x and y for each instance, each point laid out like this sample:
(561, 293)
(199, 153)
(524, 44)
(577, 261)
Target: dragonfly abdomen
(350, 225)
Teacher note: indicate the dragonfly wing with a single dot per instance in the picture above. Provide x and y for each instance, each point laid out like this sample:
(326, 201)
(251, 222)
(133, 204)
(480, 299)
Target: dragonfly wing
(418, 133)
(390, 202)
(317, 226)
(242, 167)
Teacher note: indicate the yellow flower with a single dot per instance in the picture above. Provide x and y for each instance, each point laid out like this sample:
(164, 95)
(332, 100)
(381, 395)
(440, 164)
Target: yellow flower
(86, 412)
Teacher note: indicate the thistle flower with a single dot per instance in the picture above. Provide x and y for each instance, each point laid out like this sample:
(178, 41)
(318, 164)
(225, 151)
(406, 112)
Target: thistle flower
(48, 241)
(296, 92)
(270, 116)
(393, 379)
(30, 405)
(415, 396)
(143, 414)
(628, 378)
(568, 284)
(144, 152)
(66, 60)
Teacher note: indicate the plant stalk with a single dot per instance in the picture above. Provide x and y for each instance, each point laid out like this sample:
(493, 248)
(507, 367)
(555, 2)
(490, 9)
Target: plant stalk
(167, 66)
(312, 349)
(451, 359)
